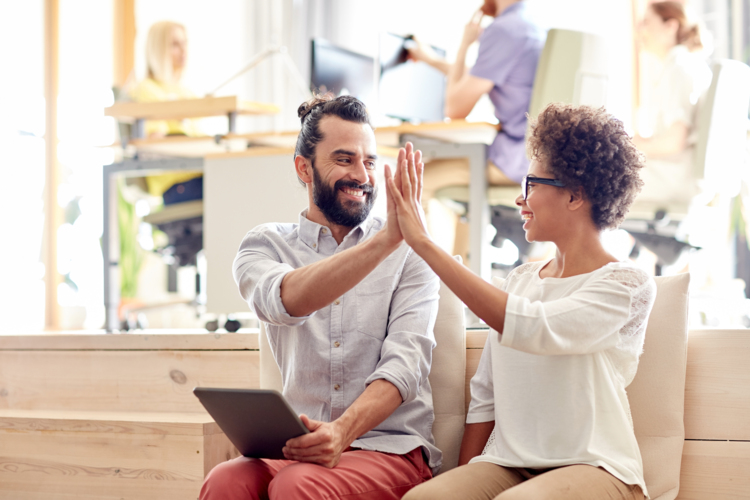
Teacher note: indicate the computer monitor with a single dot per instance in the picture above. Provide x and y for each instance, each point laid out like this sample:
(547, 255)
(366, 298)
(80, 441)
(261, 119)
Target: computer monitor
(409, 90)
(342, 71)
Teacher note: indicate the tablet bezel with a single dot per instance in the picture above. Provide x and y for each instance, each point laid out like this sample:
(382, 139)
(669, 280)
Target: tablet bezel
(258, 422)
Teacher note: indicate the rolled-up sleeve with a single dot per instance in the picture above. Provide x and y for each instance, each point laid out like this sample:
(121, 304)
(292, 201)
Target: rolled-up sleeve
(406, 353)
(258, 272)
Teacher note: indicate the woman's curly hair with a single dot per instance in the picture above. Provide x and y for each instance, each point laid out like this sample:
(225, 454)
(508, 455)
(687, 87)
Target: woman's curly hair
(588, 148)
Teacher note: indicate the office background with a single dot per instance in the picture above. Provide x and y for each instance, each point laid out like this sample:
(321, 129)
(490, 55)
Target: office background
(52, 194)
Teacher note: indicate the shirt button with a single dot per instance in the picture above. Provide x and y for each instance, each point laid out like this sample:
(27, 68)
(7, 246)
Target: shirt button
(337, 344)
(324, 230)
(315, 245)
(336, 387)
(336, 302)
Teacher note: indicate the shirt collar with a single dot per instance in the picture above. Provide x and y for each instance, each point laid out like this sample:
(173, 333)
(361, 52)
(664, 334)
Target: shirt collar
(309, 231)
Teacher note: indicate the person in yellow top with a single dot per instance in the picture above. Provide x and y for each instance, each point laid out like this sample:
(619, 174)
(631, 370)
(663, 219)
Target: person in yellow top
(166, 53)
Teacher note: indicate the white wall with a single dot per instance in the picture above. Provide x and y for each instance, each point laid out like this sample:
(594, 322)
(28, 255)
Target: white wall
(22, 170)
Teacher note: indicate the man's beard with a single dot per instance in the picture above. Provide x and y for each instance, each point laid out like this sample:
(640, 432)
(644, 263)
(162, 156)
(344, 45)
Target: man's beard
(346, 214)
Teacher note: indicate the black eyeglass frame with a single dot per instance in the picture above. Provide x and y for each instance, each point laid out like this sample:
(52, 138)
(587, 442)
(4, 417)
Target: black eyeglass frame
(537, 180)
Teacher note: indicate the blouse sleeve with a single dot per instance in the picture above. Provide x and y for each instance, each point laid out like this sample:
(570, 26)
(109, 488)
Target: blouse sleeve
(586, 321)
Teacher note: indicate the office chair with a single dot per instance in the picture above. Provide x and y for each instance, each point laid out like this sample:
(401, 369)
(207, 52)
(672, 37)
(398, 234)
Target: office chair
(573, 68)
(719, 152)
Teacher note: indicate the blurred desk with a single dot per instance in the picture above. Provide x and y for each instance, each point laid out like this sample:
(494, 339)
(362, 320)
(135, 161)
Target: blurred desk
(249, 180)
(241, 190)
(229, 106)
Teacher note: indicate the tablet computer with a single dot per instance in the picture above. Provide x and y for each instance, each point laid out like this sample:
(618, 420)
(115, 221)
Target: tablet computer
(258, 422)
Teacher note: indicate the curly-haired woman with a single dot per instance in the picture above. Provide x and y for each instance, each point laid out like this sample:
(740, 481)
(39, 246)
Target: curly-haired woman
(549, 415)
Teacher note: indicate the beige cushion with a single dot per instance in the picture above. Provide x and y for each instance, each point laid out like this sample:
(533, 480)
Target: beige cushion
(657, 394)
(447, 376)
(270, 375)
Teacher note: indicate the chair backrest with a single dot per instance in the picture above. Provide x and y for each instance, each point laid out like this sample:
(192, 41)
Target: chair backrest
(657, 394)
(447, 376)
(573, 69)
(721, 128)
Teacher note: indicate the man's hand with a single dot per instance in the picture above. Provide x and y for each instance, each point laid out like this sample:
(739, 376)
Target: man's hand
(473, 30)
(392, 232)
(327, 441)
(407, 195)
(323, 445)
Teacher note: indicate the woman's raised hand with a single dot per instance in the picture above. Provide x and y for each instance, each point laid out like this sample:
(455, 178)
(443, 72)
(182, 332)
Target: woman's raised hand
(405, 192)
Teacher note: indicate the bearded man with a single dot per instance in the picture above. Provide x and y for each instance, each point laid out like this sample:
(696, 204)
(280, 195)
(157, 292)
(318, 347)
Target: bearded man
(349, 311)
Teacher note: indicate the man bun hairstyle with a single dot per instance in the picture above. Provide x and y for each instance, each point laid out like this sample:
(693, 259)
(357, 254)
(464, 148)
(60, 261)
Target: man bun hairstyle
(310, 113)
(588, 148)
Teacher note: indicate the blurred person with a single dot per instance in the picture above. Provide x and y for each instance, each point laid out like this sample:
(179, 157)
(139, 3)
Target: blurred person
(667, 33)
(166, 54)
(549, 415)
(509, 50)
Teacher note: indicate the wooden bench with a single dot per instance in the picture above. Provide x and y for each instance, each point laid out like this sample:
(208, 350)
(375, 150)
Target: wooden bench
(79, 454)
(716, 457)
(113, 416)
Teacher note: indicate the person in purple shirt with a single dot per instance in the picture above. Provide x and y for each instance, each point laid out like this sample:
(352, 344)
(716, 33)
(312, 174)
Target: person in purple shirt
(509, 51)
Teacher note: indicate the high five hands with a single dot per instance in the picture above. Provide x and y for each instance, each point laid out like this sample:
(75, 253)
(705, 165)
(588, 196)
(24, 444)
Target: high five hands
(404, 192)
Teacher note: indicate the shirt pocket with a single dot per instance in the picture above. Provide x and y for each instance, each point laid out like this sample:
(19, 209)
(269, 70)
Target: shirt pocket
(373, 298)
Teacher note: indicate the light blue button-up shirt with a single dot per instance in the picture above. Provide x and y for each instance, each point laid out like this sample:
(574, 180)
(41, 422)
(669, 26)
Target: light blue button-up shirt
(380, 329)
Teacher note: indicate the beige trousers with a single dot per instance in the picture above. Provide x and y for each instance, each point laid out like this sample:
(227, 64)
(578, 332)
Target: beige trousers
(487, 481)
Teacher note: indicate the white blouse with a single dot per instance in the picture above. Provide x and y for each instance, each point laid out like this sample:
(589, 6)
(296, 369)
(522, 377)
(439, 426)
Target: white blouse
(554, 381)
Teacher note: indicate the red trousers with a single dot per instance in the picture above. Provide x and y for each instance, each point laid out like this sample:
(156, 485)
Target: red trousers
(360, 474)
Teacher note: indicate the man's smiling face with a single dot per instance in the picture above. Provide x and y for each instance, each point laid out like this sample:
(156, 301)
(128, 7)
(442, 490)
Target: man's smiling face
(344, 188)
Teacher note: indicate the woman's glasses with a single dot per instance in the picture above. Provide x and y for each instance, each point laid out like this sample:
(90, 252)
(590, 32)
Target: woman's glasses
(530, 179)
